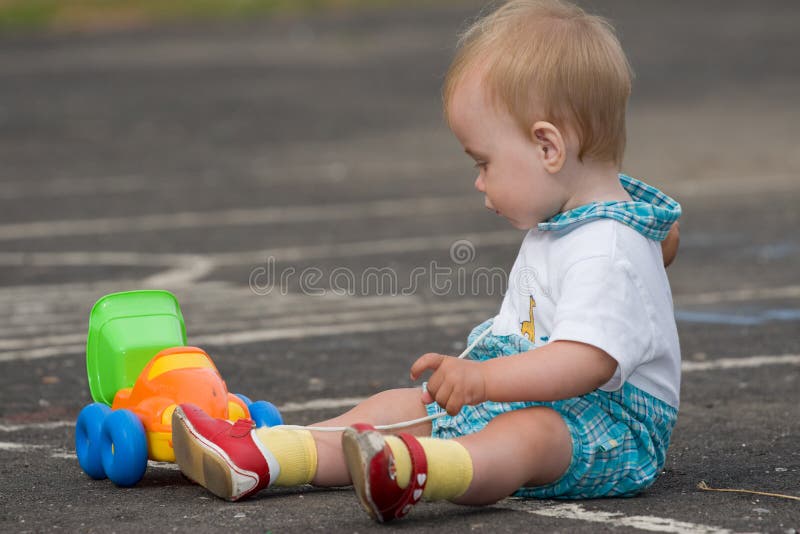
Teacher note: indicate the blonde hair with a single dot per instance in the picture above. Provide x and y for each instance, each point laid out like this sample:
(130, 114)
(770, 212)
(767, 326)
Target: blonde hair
(550, 60)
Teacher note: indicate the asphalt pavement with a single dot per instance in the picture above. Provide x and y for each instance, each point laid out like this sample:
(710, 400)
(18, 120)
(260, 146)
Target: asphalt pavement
(293, 183)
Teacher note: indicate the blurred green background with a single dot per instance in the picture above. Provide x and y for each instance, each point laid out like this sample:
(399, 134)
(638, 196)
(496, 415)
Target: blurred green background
(84, 15)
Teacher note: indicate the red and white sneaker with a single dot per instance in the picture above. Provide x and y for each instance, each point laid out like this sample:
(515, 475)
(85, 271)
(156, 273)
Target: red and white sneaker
(371, 465)
(226, 458)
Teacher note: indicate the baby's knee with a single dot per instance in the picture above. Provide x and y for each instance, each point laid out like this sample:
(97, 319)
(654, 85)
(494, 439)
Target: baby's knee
(399, 395)
(394, 406)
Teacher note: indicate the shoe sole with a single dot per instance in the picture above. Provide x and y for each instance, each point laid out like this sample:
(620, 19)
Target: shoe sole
(359, 449)
(201, 463)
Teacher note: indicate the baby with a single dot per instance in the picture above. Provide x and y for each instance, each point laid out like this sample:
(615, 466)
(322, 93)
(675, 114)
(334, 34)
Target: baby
(574, 391)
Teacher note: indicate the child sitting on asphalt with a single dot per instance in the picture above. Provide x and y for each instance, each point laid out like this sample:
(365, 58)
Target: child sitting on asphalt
(574, 394)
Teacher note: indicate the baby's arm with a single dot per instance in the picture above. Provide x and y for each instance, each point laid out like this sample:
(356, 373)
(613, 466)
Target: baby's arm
(669, 247)
(558, 370)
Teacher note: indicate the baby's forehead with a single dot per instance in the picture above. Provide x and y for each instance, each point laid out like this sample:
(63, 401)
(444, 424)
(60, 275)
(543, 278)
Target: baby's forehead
(473, 83)
(470, 95)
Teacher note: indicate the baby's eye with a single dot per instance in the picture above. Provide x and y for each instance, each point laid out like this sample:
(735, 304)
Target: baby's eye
(480, 164)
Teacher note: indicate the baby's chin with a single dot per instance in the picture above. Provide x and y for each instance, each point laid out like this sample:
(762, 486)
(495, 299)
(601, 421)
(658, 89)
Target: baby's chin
(520, 225)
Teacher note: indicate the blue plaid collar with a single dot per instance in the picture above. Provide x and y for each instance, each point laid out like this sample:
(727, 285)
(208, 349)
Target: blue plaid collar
(651, 212)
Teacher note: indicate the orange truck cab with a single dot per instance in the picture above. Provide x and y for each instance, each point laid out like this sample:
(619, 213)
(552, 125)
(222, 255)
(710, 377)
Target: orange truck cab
(176, 375)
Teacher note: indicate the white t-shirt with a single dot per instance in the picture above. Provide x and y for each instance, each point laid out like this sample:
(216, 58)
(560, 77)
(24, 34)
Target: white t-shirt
(601, 283)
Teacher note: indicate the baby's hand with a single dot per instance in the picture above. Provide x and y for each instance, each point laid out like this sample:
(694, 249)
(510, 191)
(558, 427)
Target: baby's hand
(454, 382)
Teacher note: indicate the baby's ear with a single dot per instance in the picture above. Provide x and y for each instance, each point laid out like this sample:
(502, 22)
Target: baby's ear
(550, 146)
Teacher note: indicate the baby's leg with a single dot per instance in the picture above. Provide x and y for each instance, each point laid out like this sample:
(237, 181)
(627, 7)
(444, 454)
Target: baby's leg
(527, 447)
(387, 407)
(235, 460)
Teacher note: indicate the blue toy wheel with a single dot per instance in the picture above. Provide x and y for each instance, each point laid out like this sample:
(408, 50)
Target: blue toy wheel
(247, 401)
(265, 414)
(124, 448)
(88, 430)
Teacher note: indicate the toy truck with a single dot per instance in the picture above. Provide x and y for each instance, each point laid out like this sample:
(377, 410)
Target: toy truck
(139, 370)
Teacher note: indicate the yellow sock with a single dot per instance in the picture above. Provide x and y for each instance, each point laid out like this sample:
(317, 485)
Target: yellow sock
(295, 451)
(449, 467)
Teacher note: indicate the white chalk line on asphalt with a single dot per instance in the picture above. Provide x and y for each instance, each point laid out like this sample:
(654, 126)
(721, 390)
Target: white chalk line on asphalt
(68, 344)
(202, 309)
(62, 187)
(68, 455)
(240, 304)
(739, 295)
(31, 294)
(182, 269)
(275, 214)
(37, 426)
(309, 330)
(288, 312)
(419, 206)
(398, 245)
(14, 446)
(577, 512)
(253, 336)
(323, 171)
(740, 363)
(181, 275)
(395, 245)
(34, 300)
(335, 312)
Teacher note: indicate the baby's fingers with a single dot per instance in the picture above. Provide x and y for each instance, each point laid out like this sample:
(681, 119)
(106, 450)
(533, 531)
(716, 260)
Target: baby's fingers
(426, 397)
(425, 362)
(443, 395)
(454, 405)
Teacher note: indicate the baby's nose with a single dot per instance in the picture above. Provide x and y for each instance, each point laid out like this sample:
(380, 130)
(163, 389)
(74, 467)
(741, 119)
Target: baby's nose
(479, 185)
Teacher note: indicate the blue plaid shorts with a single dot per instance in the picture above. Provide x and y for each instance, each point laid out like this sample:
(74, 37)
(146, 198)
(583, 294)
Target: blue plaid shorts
(619, 438)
